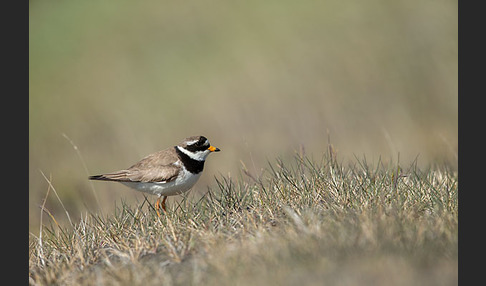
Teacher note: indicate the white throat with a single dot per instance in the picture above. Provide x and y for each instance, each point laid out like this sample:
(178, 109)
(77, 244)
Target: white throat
(198, 156)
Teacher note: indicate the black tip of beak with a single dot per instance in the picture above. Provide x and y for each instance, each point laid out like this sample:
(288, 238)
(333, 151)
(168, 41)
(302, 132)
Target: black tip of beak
(217, 150)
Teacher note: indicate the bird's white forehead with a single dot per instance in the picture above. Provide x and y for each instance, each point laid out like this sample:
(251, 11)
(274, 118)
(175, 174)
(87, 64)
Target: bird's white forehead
(194, 142)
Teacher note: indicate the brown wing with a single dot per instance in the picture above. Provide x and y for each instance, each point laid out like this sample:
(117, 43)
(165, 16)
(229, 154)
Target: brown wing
(156, 167)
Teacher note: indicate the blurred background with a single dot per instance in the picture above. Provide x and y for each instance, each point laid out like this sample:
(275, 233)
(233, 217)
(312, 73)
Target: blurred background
(261, 79)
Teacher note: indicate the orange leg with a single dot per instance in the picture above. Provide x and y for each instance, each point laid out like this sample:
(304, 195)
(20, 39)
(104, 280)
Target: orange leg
(163, 203)
(157, 206)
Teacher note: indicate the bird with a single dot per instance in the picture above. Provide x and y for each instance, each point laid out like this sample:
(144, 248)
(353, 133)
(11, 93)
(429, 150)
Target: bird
(169, 172)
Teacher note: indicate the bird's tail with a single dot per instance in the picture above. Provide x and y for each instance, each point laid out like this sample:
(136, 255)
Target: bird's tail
(116, 176)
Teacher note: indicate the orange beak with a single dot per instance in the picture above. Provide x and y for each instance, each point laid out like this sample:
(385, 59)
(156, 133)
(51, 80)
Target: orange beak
(213, 149)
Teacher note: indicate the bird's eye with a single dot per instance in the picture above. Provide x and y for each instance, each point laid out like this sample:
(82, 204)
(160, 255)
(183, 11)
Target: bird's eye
(202, 142)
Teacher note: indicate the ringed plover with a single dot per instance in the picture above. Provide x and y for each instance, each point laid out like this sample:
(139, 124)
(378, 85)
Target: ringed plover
(165, 173)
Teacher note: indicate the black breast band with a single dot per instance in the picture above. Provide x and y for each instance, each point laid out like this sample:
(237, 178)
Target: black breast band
(193, 166)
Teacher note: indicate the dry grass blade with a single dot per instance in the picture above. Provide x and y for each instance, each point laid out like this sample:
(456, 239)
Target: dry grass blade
(85, 169)
(57, 196)
(40, 248)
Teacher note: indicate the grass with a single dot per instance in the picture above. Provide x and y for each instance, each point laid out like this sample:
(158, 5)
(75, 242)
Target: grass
(301, 221)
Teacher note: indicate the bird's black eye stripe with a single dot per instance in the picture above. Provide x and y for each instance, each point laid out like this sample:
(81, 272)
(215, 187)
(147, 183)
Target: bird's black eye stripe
(200, 145)
(202, 141)
(195, 148)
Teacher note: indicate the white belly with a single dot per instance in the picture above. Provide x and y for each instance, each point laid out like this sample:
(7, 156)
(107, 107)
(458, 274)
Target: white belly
(180, 185)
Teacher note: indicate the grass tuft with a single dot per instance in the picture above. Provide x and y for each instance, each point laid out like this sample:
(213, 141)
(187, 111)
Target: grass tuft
(300, 221)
